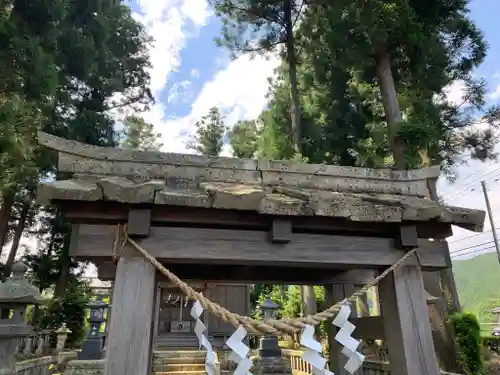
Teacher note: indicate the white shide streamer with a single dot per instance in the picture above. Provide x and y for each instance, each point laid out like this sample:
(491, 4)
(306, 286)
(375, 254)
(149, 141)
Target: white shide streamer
(349, 343)
(312, 352)
(239, 352)
(199, 329)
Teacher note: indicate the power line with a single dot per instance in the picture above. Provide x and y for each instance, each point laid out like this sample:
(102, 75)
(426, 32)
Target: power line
(471, 175)
(474, 252)
(468, 187)
(471, 247)
(472, 236)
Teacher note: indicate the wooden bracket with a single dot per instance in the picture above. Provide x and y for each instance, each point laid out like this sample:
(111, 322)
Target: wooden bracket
(407, 237)
(281, 231)
(139, 222)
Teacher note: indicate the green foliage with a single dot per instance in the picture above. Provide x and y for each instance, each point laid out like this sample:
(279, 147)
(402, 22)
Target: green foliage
(70, 309)
(477, 281)
(342, 115)
(210, 132)
(139, 135)
(253, 26)
(468, 341)
(243, 139)
(65, 67)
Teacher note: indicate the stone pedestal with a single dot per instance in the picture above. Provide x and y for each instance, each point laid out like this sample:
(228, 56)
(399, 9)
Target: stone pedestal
(16, 293)
(268, 347)
(271, 365)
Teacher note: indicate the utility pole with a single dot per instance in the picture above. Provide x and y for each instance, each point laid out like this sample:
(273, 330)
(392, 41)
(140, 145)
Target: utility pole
(490, 215)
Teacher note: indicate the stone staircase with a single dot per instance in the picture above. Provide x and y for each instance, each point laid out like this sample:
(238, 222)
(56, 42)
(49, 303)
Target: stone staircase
(174, 341)
(180, 362)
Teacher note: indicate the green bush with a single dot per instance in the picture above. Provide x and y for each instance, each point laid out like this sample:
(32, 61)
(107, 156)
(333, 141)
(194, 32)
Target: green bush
(69, 309)
(468, 341)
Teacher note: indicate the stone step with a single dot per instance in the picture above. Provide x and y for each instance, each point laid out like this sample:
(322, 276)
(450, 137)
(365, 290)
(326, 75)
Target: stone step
(179, 367)
(179, 353)
(178, 360)
(176, 341)
(159, 371)
(187, 372)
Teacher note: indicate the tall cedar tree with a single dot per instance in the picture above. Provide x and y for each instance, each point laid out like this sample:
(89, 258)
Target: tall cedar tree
(209, 137)
(259, 26)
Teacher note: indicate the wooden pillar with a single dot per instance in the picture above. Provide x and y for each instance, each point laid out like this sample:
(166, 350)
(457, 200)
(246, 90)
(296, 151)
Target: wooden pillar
(406, 322)
(156, 321)
(441, 330)
(129, 341)
(335, 293)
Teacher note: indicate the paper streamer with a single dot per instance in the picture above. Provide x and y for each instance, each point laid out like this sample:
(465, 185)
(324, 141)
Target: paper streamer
(312, 352)
(199, 329)
(239, 352)
(349, 343)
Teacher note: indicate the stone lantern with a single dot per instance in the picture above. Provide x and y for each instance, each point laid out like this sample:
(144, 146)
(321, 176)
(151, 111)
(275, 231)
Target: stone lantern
(16, 293)
(93, 344)
(268, 344)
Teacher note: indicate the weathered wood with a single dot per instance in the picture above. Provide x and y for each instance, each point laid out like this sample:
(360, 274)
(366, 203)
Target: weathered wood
(129, 340)
(281, 231)
(233, 297)
(442, 331)
(248, 274)
(407, 237)
(406, 321)
(358, 277)
(139, 222)
(106, 271)
(235, 247)
(113, 212)
(368, 327)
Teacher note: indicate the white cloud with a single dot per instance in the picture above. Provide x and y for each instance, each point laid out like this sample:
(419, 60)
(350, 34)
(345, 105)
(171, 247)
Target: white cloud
(238, 91)
(179, 92)
(494, 95)
(195, 73)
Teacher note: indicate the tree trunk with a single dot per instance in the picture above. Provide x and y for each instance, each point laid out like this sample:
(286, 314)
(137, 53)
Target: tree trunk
(292, 66)
(65, 268)
(391, 106)
(5, 212)
(17, 238)
(309, 300)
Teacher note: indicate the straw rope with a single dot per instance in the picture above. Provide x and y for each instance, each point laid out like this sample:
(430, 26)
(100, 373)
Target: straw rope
(254, 327)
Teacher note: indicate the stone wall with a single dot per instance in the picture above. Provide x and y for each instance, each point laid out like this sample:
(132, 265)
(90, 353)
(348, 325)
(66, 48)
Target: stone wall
(36, 366)
(85, 367)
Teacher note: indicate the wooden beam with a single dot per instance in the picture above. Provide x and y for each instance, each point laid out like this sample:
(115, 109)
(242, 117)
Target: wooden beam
(129, 340)
(358, 277)
(368, 327)
(252, 248)
(224, 273)
(114, 212)
(406, 323)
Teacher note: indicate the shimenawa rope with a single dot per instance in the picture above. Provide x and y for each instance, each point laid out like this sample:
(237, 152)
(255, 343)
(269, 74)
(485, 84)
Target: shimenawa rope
(255, 327)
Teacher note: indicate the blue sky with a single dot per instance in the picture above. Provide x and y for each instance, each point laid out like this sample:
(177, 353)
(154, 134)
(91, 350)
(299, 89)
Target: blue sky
(191, 74)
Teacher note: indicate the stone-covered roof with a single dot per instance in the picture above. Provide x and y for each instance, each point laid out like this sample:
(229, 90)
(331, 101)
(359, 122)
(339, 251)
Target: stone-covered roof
(268, 187)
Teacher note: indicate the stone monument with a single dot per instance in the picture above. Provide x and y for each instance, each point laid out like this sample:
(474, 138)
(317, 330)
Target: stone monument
(16, 293)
